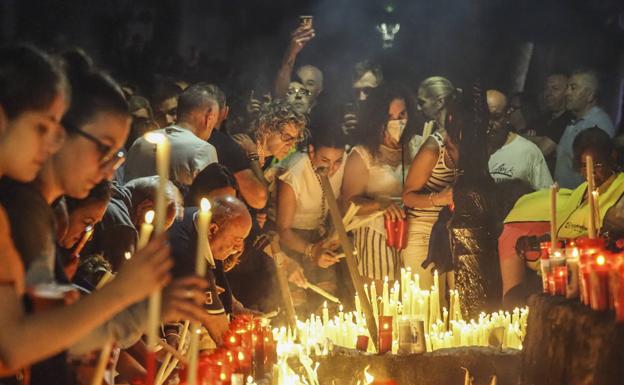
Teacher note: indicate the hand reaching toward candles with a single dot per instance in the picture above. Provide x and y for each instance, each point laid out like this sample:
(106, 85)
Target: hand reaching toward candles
(183, 299)
(216, 325)
(146, 271)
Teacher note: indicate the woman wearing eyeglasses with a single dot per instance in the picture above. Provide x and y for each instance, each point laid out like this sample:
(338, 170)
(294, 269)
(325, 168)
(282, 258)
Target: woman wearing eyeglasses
(276, 130)
(528, 221)
(33, 97)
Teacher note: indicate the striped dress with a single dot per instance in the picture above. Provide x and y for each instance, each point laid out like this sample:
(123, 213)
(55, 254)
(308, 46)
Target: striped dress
(375, 259)
(421, 219)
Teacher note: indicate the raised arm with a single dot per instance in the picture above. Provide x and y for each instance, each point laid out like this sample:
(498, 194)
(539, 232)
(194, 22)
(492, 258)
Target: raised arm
(298, 40)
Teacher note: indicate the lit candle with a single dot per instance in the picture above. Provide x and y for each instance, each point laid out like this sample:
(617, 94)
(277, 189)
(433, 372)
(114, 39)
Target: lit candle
(597, 211)
(154, 304)
(146, 230)
(591, 227)
(325, 313)
(385, 297)
(599, 284)
(553, 216)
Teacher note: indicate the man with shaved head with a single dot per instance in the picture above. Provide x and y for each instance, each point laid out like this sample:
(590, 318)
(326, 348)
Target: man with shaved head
(581, 99)
(511, 155)
(228, 229)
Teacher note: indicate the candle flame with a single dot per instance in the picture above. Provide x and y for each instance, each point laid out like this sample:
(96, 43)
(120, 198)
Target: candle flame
(204, 205)
(127, 255)
(600, 260)
(149, 217)
(155, 138)
(368, 377)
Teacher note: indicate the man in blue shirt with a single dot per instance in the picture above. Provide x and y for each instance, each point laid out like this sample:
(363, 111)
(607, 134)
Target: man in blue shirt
(581, 100)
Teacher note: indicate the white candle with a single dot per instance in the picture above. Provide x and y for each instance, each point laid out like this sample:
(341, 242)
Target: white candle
(553, 217)
(162, 168)
(591, 227)
(374, 300)
(385, 297)
(146, 230)
(598, 225)
(203, 221)
(325, 313)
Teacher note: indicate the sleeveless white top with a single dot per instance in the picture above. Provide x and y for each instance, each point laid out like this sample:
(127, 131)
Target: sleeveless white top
(310, 211)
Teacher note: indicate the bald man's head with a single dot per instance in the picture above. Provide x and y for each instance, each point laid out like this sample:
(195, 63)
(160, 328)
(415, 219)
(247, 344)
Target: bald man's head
(230, 226)
(497, 103)
(312, 79)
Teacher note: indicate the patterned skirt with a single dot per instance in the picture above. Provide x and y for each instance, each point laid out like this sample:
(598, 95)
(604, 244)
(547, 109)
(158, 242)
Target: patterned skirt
(375, 259)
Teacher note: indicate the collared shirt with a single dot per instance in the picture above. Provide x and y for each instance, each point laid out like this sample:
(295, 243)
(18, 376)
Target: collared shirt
(189, 155)
(565, 174)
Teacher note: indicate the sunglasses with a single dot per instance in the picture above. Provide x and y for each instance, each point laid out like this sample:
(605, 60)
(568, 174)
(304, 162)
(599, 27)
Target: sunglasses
(109, 158)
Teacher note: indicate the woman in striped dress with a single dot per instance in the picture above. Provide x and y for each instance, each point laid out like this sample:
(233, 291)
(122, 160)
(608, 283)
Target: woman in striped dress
(428, 187)
(374, 174)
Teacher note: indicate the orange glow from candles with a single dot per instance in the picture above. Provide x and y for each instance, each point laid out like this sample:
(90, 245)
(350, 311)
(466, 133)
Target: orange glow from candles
(241, 356)
(561, 273)
(600, 260)
(386, 326)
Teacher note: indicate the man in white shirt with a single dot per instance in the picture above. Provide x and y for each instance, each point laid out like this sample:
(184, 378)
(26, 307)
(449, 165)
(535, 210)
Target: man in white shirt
(198, 112)
(511, 155)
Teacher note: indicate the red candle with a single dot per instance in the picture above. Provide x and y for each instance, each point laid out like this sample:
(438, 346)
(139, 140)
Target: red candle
(560, 279)
(362, 343)
(244, 361)
(385, 334)
(599, 283)
(391, 234)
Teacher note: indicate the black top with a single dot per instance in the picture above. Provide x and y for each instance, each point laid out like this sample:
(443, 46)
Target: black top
(183, 241)
(230, 154)
(553, 128)
(115, 234)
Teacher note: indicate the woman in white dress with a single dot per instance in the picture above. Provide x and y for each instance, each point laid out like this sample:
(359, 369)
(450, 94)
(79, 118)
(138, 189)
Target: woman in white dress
(374, 176)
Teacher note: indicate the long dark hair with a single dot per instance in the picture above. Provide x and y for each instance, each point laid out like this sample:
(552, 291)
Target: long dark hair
(93, 92)
(29, 79)
(374, 116)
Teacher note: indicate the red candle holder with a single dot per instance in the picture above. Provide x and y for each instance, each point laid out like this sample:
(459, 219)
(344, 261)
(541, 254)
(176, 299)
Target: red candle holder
(362, 343)
(616, 281)
(587, 248)
(385, 334)
(243, 358)
(231, 339)
(599, 282)
(560, 279)
(545, 267)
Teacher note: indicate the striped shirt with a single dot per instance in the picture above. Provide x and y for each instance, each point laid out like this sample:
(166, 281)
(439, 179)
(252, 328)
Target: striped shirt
(441, 177)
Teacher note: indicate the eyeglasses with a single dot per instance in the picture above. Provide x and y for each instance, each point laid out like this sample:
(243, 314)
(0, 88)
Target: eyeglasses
(109, 158)
(298, 91)
(287, 138)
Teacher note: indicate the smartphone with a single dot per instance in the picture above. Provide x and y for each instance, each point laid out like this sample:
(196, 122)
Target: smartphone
(306, 20)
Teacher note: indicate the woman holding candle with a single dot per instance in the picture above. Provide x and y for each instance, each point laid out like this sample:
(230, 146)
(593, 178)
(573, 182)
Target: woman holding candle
(302, 206)
(429, 184)
(33, 98)
(529, 219)
(373, 177)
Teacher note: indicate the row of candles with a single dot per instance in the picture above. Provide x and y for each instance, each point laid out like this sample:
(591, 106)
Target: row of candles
(583, 267)
(411, 325)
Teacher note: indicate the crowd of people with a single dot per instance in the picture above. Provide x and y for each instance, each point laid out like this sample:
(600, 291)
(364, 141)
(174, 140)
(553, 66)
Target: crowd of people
(78, 177)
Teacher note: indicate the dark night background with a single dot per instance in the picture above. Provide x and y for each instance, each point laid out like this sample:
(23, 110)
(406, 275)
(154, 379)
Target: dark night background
(239, 43)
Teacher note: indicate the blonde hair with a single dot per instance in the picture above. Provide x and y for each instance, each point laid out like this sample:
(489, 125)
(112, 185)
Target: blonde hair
(438, 87)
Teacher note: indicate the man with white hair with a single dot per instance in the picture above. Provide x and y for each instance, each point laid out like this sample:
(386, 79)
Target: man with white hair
(581, 100)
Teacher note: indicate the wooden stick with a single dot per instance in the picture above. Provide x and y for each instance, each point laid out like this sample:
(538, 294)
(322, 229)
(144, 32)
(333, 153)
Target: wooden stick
(169, 369)
(322, 292)
(170, 350)
(591, 227)
(282, 280)
(98, 375)
(347, 247)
